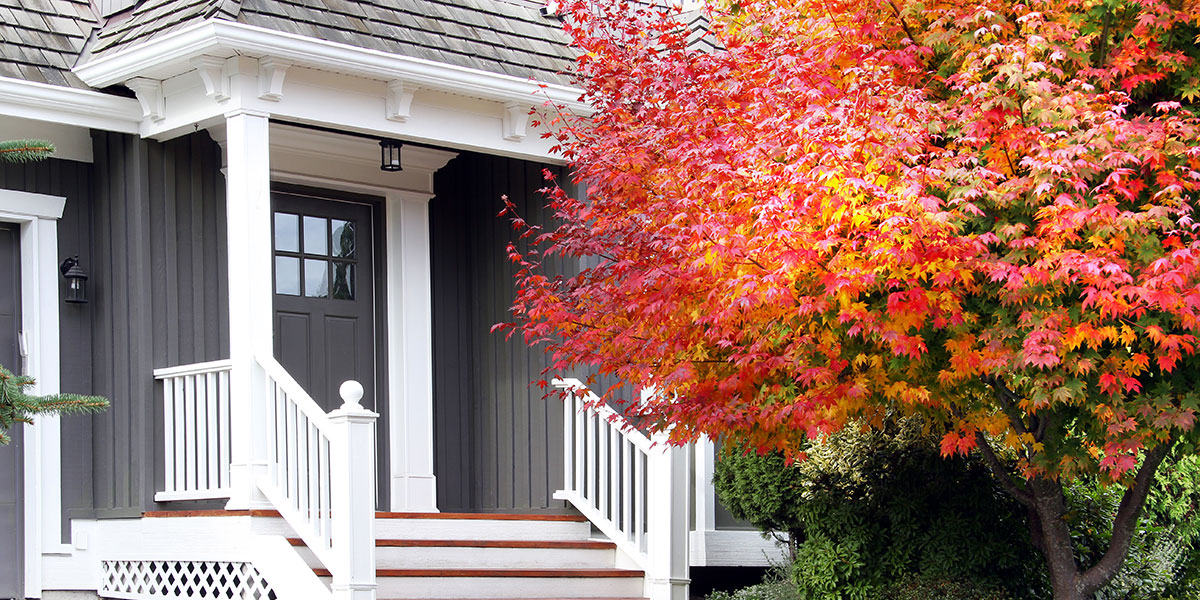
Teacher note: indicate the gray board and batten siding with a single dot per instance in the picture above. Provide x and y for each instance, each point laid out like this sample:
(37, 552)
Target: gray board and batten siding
(159, 298)
(146, 219)
(497, 442)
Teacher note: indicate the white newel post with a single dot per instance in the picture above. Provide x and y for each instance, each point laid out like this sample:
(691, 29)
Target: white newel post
(248, 218)
(352, 497)
(667, 500)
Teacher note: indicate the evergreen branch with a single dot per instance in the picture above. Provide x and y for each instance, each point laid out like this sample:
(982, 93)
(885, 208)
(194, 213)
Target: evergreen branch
(19, 151)
(16, 406)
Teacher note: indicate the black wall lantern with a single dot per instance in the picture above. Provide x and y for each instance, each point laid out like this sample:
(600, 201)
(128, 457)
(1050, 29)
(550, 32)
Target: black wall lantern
(389, 155)
(76, 280)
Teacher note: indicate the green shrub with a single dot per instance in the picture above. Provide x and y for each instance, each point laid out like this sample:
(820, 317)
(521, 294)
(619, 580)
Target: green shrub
(777, 584)
(869, 509)
(921, 588)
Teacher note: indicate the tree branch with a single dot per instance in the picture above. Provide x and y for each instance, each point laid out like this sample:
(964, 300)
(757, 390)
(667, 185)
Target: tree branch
(1125, 523)
(1008, 404)
(1000, 472)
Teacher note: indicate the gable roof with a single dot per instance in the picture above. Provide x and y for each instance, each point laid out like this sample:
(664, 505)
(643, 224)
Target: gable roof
(509, 37)
(40, 40)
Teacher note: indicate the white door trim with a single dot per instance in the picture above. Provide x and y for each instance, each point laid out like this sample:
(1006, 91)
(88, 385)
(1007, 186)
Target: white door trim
(38, 216)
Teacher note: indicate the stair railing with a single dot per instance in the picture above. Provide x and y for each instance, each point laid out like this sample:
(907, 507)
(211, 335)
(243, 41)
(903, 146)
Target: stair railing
(633, 488)
(320, 476)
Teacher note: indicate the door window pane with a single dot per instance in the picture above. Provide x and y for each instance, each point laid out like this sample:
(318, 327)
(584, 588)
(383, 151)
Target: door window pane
(343, 280)
(287, 275)
(343, 239)
(316, 278)
(316, 236)
(287, 232)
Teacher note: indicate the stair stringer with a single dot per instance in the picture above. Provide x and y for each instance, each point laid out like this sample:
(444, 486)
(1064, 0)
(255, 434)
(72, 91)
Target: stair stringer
(138, 559)
(285, 570)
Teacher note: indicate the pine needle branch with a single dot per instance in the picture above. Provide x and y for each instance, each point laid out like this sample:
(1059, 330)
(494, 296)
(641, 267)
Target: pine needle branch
(17, 406)
(19, 151)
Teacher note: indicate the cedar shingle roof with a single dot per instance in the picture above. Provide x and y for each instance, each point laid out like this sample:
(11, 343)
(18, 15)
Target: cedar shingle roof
(509, 37)
(41, 39)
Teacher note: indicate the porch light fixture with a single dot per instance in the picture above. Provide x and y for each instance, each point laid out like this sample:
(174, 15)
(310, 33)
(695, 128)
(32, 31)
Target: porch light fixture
(389, 155)
(76, 280)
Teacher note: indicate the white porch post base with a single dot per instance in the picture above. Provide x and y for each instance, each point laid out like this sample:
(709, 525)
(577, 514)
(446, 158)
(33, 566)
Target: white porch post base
(667, 589)
(414, 493)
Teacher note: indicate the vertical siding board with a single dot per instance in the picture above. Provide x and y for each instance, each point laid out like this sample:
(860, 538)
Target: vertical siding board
(170, 254)
(195, 200)
(517, 351)
(103, 447)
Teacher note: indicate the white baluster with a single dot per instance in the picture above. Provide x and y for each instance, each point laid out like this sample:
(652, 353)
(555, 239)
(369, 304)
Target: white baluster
(169, 435)
(353, 496)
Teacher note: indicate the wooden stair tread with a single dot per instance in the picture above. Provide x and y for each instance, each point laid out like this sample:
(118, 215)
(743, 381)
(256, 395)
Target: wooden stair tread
(164, 514)
(160, 514)
(533, 573)
(554, 544)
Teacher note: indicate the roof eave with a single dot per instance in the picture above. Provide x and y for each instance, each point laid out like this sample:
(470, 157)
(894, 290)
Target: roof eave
(69, 106)
(217, 36)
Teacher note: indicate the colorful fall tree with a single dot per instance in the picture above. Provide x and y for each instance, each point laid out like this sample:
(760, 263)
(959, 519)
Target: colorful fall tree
(816, 210)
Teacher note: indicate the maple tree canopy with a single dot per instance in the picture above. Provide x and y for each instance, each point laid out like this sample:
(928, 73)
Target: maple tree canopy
(821, 211)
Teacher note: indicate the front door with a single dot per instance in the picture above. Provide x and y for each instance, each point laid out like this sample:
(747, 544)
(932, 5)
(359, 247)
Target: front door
(11, 514)
(324, 294)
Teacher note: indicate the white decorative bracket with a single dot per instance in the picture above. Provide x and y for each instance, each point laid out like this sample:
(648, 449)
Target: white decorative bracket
(212, 72)
(516, 120)
(270, 78)
(150, 95)
(399, 100)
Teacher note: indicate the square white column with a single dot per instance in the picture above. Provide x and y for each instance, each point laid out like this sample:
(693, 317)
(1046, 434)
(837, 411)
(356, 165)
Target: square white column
(410, 354)
(248, 218)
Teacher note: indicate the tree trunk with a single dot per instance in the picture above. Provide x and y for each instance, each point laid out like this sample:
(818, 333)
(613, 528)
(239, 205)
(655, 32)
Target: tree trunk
(1051, 535)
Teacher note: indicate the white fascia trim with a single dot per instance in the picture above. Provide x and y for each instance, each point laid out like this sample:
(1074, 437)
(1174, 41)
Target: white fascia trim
(214, 35)
(39, 206)
(69, 106)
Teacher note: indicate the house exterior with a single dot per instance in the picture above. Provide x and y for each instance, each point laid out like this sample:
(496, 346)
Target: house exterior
(218, 175)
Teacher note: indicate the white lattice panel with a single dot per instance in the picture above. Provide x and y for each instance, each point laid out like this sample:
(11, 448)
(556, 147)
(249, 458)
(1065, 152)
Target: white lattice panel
(183, 580)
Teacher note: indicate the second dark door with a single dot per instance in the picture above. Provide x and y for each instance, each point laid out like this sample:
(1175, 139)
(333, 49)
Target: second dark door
(12, 518)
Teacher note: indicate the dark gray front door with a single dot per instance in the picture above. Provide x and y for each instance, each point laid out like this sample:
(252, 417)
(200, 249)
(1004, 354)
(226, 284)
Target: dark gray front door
(324, 294)
(11, 517)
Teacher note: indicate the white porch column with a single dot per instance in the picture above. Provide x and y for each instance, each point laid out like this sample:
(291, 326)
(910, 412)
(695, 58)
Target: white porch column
(410, 353)
(248, 214)
(705, 501)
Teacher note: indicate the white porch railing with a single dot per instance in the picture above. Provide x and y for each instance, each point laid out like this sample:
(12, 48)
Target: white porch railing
(321, 476)
(318, 468)
(632, 488)
(196, 432)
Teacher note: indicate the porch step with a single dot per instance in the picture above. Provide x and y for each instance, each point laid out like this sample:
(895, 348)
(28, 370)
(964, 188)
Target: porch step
(505, 583)
(480, 527)
(485, 554)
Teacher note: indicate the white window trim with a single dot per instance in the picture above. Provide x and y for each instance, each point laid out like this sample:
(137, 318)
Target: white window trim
(38, 215)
